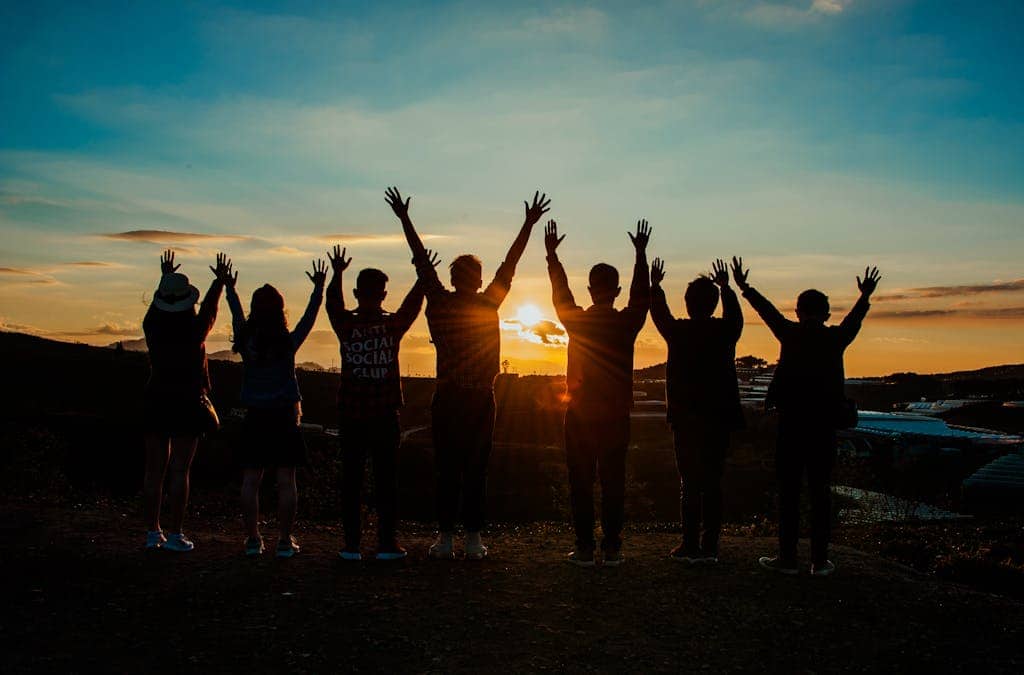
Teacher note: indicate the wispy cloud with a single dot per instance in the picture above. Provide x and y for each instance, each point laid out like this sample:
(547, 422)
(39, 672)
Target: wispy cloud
(1014, 286)
(167, 237)
(364, 239)
(970, 313)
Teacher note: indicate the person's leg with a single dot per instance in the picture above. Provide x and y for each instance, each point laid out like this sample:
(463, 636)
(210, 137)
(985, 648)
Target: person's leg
(612, 470)
(689, 488)
(820, 460)
(251, 479)
(287, 501)
(353, 467)
(183, 450)
(789, 466)
(480, 433)
(157, 454)
(447, 460)
(582, 467)
(712, 464)
(386, 439)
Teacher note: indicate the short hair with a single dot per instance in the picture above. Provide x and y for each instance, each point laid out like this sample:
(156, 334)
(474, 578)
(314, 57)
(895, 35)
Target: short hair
(604, 277)
(467, 262)
(812, 301)
(701, 297)
(372, 280)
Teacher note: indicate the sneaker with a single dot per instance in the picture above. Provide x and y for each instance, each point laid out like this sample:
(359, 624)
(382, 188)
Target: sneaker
(475, 549)
(286, 548)
(581, 558)
(350, 554)
(392, 551)
(177, 541)
(685, 556)
(613, 559)
(254, 547)
(778, 565)
(708, 559)
(443, 548)
(823, 570)
(155, 539)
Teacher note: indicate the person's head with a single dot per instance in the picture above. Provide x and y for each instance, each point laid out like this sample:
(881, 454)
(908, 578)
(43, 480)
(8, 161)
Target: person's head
(370, 288)
(467, 273)
(701, 298)
(267, 325)
(175, 294)
(812, 307)
(604, 284)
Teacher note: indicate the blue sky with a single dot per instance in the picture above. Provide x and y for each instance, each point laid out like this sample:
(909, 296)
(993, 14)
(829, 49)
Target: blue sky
(810, 137)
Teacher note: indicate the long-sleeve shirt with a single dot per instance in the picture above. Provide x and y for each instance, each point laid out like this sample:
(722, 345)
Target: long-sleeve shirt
(177, 347)
(809, 378)
(599, 373)
(701, 370)
(465, 328)
(268, 380)
(371, 385)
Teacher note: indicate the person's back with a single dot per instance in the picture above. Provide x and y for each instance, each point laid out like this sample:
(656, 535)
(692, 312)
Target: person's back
(464, 326)
(599, 372)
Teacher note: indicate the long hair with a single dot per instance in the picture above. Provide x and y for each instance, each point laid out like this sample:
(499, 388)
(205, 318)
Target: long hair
(265, 332)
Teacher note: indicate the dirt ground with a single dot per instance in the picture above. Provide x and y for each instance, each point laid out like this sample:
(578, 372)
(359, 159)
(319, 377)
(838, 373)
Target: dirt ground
(81, 596)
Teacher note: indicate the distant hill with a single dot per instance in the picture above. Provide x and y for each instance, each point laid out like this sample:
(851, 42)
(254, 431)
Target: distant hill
(1013, 371)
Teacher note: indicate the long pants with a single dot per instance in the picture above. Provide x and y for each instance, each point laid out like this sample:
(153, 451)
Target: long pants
(463, 426)
(595, 447)
(700, 457)
(377, 438)
(805, 444)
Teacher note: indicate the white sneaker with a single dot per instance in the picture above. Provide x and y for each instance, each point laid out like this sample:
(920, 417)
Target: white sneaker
(155, 539)
(443, 548)
(475, 549)
(177, 541)
(823, 570)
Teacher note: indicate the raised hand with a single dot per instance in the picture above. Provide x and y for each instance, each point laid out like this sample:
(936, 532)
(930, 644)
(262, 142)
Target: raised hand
(319, 275)
(868, 285)
(430, 256)
(167, 262)
(223, 270)
(657, 271)
(551, 238)
(394, 199)
(738, 274)
(642, 236)
(534, 211)
(337, 258)
(720, 273)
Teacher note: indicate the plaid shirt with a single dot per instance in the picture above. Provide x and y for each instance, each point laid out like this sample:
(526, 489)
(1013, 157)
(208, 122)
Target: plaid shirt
(464, 329)
(371, 385)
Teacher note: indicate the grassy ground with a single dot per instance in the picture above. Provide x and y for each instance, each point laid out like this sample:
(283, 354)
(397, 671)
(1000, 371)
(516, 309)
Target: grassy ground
(81, 596)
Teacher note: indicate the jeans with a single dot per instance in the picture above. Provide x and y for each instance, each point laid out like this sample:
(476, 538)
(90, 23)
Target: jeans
(700, 457)
(805, 444)
(378, 438)
(463, 426)
(595, 447)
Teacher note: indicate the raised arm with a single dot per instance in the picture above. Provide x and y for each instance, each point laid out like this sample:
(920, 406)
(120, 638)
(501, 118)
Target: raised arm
(335, 290)
(305, 324)
(731, 312)
(851, 323)
(640, 287)
(499, 287)
(662, 315)
(207, 314)
(234, 304)
(561, 296)
(424, 271)
(772, 317)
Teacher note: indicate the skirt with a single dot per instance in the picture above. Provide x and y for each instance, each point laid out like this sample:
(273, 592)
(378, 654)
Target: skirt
(271, 439)
(171, 415)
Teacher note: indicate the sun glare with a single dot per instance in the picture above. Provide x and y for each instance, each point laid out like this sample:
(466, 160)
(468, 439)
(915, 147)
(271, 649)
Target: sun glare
(528, 315)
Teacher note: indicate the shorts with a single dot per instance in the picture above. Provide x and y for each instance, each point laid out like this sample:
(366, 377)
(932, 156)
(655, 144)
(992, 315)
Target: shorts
(271, 439)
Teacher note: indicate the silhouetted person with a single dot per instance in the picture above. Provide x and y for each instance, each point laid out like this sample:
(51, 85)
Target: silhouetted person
(808, 391)
(176, 402)
(270, 393)
(703, 400)
(464, 329)
(599, 384)
(369, 399)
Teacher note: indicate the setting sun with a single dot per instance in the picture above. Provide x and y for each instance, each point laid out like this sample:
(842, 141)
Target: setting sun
(528, 315)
